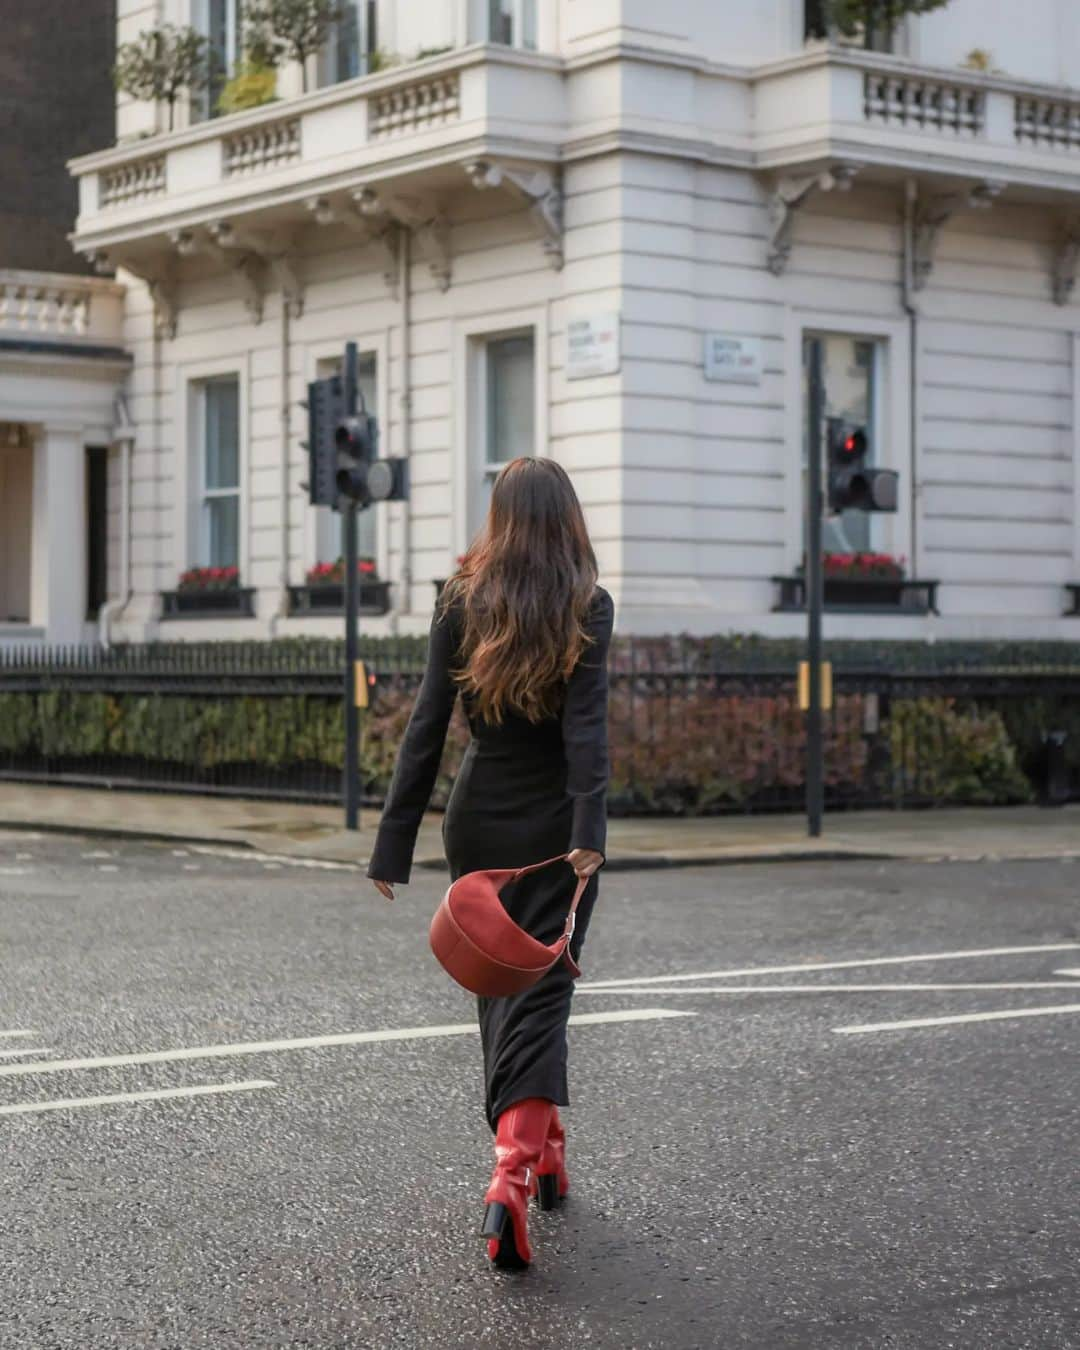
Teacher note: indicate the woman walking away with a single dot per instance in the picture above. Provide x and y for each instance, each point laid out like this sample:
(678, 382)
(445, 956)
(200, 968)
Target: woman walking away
(522, 630)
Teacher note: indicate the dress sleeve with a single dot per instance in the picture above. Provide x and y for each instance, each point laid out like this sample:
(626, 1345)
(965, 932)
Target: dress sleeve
(584, 727)
(417, 763)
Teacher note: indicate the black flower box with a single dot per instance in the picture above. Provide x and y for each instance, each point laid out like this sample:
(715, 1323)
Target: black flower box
(328, 597)
(861, 595)
(229, 602)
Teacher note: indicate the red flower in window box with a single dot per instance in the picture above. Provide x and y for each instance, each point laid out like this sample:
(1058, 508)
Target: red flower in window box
(209, 579)
(333, 574)
(876, 566)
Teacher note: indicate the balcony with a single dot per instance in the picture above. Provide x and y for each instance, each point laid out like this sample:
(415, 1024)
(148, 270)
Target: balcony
(363, 149)
(55, 314)
(884, 113)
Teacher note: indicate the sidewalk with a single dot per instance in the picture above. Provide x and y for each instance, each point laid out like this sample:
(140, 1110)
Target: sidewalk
(315, 831)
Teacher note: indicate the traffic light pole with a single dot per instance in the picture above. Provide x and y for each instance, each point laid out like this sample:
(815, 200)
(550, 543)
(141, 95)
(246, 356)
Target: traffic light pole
(815, 584)
(351, 783)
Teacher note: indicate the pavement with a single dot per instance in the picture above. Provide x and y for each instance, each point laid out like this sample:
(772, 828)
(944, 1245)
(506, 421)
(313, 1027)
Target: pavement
(315, 832)
(812, 1108)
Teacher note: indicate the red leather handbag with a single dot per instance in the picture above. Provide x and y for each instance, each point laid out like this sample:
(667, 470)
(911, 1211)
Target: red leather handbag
(479, 944)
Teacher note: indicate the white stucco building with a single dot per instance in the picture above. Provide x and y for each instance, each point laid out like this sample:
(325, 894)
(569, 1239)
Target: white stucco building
(605, 230)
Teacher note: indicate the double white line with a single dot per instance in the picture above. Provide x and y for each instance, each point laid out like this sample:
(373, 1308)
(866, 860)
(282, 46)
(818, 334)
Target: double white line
(684, 984)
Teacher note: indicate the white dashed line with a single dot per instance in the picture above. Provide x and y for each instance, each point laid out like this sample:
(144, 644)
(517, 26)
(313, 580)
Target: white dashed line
(805, 967)
(308, 1043)
(151, 1095)
(27, 1050)
(652, 990)
(917, 1022)
(281, 859)
(18, 1033)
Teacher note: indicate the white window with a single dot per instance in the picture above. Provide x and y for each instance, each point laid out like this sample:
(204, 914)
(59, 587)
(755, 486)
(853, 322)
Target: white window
(852, 375)
(219, 459)
(502, 411)
(220, 21)
(328, 543)
(353, 42)
(877, 33)
(511, 23)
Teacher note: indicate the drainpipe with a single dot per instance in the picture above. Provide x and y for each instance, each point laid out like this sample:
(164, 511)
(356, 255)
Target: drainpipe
(405, 599)
(282, 608)
(911, 198)
(111, 608)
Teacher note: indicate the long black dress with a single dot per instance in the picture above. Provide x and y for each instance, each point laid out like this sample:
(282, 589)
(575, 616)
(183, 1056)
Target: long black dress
(525, 792)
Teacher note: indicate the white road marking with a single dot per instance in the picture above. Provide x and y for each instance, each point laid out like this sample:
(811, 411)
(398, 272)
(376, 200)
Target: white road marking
(24, 857)
(15, 871)
(832, 965)
(1074, 971)
(255, 856)
(27, 1050)
(151, 1095)
(306, 1043)
(108, 867)
(18, 1033)
(964, 1017)
(98, 853)
(829, 988)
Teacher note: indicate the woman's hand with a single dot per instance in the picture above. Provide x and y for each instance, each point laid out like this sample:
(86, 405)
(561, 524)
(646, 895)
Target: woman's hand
(384, 888)
(584, 861)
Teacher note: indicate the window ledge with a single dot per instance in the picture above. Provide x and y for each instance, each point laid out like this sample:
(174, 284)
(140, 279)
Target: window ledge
(329, 598)
(239, 601)
(861, 595)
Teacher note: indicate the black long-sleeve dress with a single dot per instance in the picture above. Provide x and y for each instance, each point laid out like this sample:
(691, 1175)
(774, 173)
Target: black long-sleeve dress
(525, 792)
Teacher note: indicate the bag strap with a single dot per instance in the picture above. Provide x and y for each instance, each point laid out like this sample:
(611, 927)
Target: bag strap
(562, 947)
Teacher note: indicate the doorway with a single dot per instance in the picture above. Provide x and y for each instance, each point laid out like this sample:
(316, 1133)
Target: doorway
(16, 528)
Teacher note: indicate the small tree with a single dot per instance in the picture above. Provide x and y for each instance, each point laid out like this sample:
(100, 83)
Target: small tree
(873, 19)
(277, 30)
(162, 62)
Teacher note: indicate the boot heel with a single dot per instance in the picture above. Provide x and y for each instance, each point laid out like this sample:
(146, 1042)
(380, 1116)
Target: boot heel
(496, 1217)
(547, 1190)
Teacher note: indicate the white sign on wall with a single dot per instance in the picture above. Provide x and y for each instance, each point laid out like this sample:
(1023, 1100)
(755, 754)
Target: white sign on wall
(592, 346)
(736, 360)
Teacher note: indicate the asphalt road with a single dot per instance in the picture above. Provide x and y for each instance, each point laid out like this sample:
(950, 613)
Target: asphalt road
(751, 1172)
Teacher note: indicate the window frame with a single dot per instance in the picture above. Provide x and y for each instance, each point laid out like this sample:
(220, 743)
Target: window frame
(480, 16)
(893, 425)
(367, 29)
(190, 444)
(207, 494)
(470, 467)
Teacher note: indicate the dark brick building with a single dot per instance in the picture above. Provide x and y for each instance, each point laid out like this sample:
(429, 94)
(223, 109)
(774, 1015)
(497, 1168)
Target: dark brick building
(56, 100)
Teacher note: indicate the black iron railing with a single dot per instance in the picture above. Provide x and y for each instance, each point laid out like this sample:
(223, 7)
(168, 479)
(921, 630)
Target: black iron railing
(694, 727)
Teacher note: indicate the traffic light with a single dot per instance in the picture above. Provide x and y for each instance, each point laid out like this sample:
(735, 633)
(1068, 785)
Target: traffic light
(855, 485)
(325, 409)
(356, 440)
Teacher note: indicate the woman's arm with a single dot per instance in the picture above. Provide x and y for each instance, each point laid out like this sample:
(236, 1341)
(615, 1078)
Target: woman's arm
(584, 727)
(418, 757)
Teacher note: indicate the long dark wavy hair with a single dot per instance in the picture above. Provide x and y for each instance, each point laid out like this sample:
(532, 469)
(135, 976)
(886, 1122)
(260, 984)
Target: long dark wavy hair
(524, 589)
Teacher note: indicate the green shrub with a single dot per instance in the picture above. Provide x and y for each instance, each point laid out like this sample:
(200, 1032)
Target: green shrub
(946, 754)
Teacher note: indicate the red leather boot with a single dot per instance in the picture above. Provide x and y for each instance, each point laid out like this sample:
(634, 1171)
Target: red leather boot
(551, 1181)
(520, 1135)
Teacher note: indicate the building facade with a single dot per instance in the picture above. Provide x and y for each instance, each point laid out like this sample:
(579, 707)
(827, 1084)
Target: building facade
(609, 232)
(62, 364)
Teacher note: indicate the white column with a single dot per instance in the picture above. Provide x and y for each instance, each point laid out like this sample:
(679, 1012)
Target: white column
(58, 575)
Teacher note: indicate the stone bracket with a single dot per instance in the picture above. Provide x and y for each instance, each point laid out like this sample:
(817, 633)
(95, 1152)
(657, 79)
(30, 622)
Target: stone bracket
(160, 282)
(789, 196)
(245, 266)
(274, 250)
(1066, 259)
(931, 217)
(539, 188)
(422, 216)
(384, 236)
